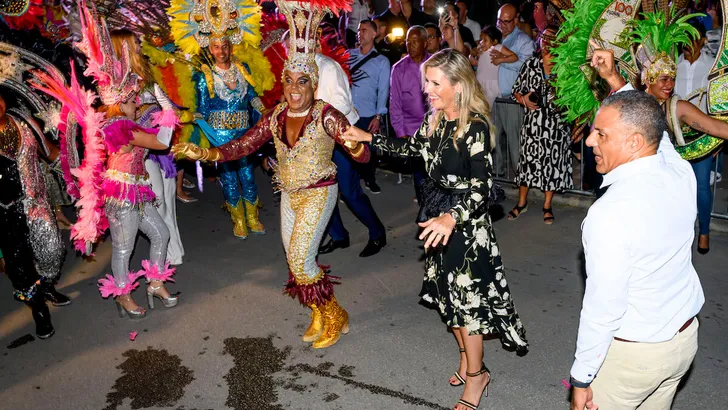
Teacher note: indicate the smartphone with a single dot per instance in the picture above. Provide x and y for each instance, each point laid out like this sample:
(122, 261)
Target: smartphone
(444, 13)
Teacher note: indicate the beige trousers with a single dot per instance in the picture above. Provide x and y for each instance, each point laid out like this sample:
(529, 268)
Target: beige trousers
(644, 375)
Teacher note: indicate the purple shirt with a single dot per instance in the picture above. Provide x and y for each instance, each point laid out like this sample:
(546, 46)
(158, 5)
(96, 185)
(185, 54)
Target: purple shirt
(407, 102)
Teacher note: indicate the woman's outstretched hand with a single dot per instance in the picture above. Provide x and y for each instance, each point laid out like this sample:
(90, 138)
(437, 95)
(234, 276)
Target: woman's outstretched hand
(437, 230)
(355, 134)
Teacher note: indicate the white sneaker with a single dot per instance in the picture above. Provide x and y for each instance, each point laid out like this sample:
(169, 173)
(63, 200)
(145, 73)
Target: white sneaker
(713, 178)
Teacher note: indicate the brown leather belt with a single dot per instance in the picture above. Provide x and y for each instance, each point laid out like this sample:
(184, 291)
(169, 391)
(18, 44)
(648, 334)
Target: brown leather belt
(683, 327)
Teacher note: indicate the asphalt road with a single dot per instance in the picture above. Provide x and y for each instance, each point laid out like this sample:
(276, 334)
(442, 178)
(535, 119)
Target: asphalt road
(234, 340)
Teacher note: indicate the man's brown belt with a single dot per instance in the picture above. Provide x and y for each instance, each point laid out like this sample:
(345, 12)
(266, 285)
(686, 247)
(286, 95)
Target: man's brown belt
(684, 326)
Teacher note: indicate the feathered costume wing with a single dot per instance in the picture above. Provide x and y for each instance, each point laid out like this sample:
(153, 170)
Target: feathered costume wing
(579, 90)
(575, 81)
(272, 27)
(83, 182)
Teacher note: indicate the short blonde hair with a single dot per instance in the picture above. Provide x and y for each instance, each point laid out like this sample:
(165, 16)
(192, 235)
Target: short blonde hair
(457, 69)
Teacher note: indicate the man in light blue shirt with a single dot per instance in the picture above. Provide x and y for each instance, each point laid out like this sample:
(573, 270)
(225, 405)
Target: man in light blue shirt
(370, 91)
(507, 115)
(370, 88)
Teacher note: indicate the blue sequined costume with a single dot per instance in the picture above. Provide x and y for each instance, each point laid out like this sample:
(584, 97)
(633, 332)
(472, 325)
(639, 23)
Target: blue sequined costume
(231, 112)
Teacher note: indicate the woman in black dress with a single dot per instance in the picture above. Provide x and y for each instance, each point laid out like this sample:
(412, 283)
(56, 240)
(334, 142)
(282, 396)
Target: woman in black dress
(545, 161)
(464, 275)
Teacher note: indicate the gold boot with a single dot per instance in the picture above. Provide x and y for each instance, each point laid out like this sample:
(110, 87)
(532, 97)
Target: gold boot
(251, 217)
(237, 214)
(336, 322)
(316, 328)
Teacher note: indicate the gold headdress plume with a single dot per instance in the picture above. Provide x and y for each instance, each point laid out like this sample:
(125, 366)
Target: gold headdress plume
(304, 18)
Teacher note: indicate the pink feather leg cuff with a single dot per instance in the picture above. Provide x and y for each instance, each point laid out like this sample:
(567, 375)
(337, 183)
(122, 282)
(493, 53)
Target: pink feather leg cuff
(107, 286)
(153, 272)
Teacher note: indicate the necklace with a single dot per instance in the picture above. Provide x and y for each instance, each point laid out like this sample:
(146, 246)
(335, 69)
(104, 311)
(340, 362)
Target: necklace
(230, 75)
(293, 114)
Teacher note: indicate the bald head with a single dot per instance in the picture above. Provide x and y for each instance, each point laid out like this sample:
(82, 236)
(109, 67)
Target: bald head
(507, 19)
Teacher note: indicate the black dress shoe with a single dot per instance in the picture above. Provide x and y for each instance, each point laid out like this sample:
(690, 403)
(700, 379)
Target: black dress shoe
(50, 294)
(373, 247)
(333, 245)
(373, 187)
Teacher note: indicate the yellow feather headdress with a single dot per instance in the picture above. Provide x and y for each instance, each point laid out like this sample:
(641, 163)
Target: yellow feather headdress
(195, 23)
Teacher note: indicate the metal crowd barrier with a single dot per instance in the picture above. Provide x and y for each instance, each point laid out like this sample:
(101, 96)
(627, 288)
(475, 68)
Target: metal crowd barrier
(719, 208)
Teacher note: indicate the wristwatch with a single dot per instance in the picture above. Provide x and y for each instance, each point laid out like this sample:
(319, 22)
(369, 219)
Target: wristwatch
(455, 215)
(378, 117)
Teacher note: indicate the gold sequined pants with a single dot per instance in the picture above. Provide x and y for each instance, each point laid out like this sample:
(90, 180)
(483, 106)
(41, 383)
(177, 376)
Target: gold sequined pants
(304, 216)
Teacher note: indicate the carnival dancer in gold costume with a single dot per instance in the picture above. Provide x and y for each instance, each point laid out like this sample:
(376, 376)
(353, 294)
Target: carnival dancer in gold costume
(305, 132)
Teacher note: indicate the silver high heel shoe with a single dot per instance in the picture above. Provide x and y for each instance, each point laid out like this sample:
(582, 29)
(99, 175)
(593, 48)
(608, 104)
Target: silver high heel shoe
(137, 313)
(169, 302)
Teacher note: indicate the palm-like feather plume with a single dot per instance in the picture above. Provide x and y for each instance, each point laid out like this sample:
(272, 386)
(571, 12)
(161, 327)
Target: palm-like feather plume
(655, 32)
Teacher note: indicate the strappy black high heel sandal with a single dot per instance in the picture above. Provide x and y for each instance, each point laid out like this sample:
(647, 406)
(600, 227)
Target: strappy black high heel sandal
(483, 370)
(457, 375)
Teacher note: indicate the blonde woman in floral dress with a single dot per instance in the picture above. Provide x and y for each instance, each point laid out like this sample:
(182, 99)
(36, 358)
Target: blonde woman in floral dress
(464, 275)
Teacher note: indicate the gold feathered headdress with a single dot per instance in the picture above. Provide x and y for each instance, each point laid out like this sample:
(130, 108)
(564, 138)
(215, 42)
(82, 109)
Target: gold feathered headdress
(304, 18)
(197, 23)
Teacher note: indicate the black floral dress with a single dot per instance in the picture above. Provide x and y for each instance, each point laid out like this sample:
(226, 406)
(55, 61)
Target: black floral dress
(464, 280)
(545, 161)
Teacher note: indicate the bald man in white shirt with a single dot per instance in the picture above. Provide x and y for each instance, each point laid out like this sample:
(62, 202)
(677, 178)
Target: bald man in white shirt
(638, 331)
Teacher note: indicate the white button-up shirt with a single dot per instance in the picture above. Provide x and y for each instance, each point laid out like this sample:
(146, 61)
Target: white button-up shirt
(691, 77)
(641, 284)
(334, 87)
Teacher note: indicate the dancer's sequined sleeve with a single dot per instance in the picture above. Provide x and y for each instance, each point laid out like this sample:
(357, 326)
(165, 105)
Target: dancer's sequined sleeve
(409, 147)
(248, 143)
(335, 123)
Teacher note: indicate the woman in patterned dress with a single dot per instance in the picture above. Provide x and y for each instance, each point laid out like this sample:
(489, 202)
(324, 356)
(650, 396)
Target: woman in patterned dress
(464, 275)
(545, 161)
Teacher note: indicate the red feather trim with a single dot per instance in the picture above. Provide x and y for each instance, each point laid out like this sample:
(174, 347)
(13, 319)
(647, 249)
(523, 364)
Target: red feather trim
(272, 27)
(171, 83)
(276, 55)
(33, 18)
(318, 293)
(334, 5)
(331, 47)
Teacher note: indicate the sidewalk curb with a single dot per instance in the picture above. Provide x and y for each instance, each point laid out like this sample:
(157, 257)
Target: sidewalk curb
(583, 201)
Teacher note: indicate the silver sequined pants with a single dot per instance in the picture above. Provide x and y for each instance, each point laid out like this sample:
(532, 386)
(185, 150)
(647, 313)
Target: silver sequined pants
(304, 216)
(125, 220)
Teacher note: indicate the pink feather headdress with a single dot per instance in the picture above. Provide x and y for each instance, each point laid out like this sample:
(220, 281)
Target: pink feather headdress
(115, 79)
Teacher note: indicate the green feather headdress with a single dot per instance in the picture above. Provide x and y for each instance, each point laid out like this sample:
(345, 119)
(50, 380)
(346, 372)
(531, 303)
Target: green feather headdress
(659, 36)
(574, 82)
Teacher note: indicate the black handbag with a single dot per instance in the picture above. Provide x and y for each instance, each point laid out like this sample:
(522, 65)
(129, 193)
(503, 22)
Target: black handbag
(437, 200)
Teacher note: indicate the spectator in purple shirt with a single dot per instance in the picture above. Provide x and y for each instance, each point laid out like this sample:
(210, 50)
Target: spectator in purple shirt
(407, 105)
(406, 100)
